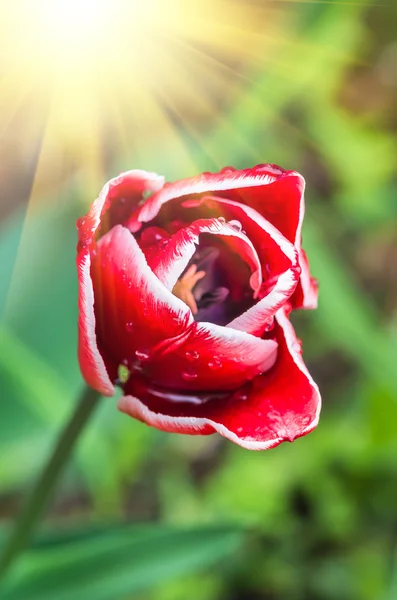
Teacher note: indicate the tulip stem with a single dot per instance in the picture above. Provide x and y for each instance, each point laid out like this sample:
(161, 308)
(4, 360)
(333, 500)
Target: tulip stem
(41, 492)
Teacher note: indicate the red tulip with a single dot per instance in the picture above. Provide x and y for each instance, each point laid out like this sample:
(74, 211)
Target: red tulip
(188, 286)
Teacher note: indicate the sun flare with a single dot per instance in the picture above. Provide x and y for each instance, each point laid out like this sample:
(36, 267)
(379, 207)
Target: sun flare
(116, 69)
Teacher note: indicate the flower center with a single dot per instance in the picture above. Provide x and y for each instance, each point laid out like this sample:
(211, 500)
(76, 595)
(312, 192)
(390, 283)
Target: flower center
(183, 288)
(212, 289)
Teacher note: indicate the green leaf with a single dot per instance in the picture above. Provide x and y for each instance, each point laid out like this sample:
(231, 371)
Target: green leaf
(112, 563)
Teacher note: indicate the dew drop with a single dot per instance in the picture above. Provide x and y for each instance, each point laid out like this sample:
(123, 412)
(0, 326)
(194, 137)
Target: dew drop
(153, 235)
(269, 325)
(129, 327)
(142, 354)
(215, 364)
(193, 355)
(189, 375)
(236, 225)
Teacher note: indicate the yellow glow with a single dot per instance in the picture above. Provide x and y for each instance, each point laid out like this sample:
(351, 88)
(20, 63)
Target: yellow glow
(95, 65)
(71, 24)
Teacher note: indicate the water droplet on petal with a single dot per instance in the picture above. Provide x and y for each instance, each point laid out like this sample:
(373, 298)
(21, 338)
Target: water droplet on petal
(269, 325)
(192, 355)
(153, 235)
(142, 354)
(189, 375)
(235, 224)
(129, 327)
(215, 363)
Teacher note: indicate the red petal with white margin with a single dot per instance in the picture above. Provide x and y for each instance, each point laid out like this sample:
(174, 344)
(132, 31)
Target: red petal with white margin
(209, 357)
(91, 362)
(116, 200)
(134, 310)
(276, 194)
(280, 405)
(282, 203)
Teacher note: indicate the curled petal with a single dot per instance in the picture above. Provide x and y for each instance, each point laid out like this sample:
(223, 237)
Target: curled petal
(226, 180)
(134, 310)
(118, 197)
(169, 262)
(91, 361)
(259, 317)
(210, 357)
(280, 405)
(278, 256)
(283, 204)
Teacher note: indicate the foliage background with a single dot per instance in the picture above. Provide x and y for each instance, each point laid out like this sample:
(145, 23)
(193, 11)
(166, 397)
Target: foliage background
(315, 90)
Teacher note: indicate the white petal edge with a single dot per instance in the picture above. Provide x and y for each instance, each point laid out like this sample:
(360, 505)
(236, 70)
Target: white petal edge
(264, 310)
(153, 181)
(95, 372)
(212, 182)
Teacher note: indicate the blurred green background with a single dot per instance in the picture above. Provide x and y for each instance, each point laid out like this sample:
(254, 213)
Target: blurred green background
(138, 513)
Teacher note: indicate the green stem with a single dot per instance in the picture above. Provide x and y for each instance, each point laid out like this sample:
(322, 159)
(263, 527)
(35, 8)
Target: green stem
(40, 495)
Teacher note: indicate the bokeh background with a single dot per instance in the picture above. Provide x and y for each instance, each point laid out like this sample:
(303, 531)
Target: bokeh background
(88, 89)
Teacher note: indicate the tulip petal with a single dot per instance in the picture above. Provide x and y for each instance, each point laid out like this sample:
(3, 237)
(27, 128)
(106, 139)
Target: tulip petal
(134, 310)
(115, 202)
(210, 357)
(118, 198)
(90, 359)
(280, 405)
(225, 181)
(283, 204)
